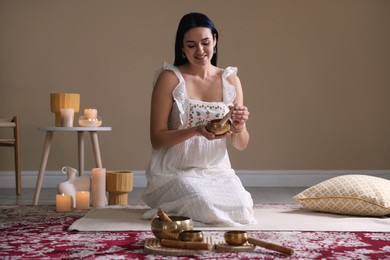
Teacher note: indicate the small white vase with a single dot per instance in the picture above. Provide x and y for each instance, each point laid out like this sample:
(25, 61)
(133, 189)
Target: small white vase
(73, 184)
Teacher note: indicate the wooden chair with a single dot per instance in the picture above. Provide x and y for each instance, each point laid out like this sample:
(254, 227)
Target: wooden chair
(13, 142)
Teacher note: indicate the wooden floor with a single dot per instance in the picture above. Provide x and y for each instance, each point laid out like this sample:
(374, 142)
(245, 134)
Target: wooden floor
(47, 196)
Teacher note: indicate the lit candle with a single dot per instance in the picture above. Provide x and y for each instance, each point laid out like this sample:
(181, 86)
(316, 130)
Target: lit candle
(99, 198)
(67, 117)
(90, 113)
(63, 202)
(82, 200)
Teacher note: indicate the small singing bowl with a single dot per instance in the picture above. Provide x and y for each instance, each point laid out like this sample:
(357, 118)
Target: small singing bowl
(215, 127)
(236, 237)
(191, 236)
(170, 230)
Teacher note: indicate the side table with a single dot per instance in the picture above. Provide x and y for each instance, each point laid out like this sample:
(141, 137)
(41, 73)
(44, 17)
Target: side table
(80, 137)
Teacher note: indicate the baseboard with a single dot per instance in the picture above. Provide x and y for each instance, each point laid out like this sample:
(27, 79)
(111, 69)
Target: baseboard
(249, 178)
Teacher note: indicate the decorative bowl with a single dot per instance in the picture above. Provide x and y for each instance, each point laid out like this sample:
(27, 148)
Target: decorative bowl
(215, 127)
(88, 122)
(191, 236)
(236, 237)
(170, 230)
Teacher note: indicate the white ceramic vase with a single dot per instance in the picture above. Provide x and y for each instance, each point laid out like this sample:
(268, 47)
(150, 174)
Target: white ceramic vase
(74, 183)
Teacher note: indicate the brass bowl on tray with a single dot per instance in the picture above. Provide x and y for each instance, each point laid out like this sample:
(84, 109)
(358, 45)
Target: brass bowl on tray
(215, 127)
(191, 236)
(236, 237)
(171, 229)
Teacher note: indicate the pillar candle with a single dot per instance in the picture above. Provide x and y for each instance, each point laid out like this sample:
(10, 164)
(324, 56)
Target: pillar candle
(63, 202)
(90, 113)
(99, 198)
(67, 117)
(82, 200)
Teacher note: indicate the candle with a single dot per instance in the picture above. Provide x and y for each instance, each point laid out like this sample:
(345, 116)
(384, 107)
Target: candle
(82, 200)
(90, 113)
(99, 198)
(63, 202)
(67, 117)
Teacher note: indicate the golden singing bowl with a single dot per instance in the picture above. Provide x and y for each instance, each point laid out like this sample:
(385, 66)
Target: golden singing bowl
(170, 230)
(215, 127)
(191, 235)
(236, 237)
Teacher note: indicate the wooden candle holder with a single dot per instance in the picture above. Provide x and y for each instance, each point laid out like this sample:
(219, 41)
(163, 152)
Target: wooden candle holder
(63, 100)
(118, 185)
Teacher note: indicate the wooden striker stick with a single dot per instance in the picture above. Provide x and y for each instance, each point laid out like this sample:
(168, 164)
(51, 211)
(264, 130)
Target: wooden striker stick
(271, 246)
(163, 216)
(185, 245)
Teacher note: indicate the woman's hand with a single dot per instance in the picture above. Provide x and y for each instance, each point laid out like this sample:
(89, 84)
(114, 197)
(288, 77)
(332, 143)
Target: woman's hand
(239, 117)
(209, 135)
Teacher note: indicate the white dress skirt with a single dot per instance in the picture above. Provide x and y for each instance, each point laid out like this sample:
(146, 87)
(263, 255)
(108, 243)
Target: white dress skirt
(195, 178)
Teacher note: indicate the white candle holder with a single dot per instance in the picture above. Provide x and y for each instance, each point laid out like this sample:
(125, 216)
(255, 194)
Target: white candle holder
(87, 122)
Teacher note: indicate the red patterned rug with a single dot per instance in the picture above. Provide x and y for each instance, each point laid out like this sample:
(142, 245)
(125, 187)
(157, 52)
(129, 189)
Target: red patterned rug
(40, 232)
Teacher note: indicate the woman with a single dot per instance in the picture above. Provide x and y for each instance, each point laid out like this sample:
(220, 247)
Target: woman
(190, 172)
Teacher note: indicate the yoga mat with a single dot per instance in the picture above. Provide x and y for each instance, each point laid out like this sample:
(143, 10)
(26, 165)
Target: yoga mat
(270, 217)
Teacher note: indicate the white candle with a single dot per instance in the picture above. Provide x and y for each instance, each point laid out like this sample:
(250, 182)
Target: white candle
(82, 200)
(67, 117)
(90, 113)
(99, 198)
(63, 202)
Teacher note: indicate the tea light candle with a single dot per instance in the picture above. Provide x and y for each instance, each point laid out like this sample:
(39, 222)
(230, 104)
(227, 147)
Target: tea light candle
(82, 200)
(90, 113)
(99, 198)
(63, 202)
(67, 117)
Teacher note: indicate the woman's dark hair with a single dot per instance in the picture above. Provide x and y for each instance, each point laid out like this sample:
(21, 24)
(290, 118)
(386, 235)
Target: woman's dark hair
(187, 22)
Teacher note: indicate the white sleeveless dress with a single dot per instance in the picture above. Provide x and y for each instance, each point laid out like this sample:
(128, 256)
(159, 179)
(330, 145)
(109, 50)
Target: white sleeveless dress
(195, 178)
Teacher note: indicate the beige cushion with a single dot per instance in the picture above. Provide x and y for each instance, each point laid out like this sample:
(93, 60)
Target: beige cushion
(361, 195)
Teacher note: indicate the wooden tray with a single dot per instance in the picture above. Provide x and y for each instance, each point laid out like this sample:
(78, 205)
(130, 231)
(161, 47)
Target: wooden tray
(153, 246)
(228, 248)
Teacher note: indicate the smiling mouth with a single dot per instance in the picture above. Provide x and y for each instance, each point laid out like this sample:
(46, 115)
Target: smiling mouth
(200, 57)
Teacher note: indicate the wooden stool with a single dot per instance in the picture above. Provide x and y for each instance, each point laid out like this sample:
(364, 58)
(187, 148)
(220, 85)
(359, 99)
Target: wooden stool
(118, 185)
(80, 140)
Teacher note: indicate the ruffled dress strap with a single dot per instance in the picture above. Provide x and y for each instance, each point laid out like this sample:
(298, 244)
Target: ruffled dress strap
(179, 93)
(229, 91)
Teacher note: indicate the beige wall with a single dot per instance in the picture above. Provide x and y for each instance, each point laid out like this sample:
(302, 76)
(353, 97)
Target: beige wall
(315, 76)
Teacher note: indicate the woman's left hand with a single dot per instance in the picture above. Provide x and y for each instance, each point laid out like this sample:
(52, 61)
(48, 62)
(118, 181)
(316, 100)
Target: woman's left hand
(239, 117)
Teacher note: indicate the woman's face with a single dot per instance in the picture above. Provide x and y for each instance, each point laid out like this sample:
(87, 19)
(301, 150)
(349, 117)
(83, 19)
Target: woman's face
(198, 45)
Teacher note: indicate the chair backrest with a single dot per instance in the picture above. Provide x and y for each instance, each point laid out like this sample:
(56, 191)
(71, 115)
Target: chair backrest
(13, 141)
(9, 123)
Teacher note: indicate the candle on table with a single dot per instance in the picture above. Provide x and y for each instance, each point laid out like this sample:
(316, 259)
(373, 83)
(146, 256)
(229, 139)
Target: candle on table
(90, 113)
(67, 117)
(82, 200)
(99, 198)
(63, 202)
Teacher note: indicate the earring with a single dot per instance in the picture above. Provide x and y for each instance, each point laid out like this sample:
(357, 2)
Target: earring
(215, 50)
(183, 55)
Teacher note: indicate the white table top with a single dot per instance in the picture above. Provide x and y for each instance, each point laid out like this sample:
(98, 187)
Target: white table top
(76, 129)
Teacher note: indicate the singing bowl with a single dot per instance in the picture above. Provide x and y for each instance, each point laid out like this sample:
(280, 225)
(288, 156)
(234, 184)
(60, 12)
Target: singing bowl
(191, 236)
(236, 237)
(170, 230)
(215, 127)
